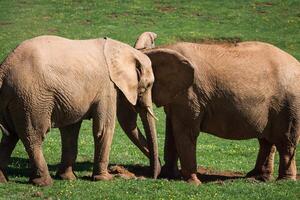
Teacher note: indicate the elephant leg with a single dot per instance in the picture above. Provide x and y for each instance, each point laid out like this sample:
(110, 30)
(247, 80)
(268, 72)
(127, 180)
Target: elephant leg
(69, 139)
(32, 141)
(185, 139)
(287, 163)
(287, 150)
(103, 130)
(170, 169)
(263, 169)
(7, 146)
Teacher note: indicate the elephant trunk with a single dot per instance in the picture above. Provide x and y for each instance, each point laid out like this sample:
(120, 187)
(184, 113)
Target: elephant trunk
(147, 117)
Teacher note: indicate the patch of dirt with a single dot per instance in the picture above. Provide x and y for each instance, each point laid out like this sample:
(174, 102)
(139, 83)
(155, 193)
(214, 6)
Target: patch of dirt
(2, 23)
(86, 22)
(120, 171)
(118, 15)
(22, 2)
(207, 171)
(208, 175)
(262, 12)
(263, 3)
(260, 7)
(166, 9)
(52, 30)
(46, 17)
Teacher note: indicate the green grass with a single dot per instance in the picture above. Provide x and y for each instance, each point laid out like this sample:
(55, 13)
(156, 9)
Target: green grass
(276, 22)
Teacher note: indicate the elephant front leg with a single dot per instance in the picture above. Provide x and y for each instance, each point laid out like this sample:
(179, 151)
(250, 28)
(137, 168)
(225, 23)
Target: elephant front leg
(7, 146)
(69, 140)
(170, 169)
(185, 139)
(263, 169)
(103, 130)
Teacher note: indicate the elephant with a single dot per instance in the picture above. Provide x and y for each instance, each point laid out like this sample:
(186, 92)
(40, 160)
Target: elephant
(50, 81)
(230, 90)
(145, 41)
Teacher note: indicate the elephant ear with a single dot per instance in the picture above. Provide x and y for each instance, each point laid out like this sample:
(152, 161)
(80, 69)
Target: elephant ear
(121, 62)
(173, 74)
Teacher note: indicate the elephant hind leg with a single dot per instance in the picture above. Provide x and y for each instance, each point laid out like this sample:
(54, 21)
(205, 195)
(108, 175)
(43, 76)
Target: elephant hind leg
(31, 130)
(69, 140)
(263, 169)
(33, 144)
(7, 146)
(287, 163)
(287, 150)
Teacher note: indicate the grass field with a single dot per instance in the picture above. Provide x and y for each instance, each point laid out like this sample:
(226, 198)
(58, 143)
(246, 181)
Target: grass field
(276, 22)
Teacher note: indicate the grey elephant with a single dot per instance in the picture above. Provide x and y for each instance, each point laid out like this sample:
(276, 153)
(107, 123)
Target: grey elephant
(234, 91)
(50, 81)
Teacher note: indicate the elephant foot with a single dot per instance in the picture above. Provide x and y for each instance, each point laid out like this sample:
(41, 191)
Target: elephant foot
(256, 174)
(3, 178)
(194, 180)
(69, 175)
(286, 177)
(102, 177)
(42, 181)
(170, 172)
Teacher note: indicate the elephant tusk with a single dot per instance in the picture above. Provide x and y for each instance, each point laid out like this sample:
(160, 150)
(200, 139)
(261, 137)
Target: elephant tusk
(151, 113)
(4, 130)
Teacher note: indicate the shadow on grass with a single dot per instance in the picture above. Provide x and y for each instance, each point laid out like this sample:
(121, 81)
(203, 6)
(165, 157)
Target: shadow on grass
(20, 168)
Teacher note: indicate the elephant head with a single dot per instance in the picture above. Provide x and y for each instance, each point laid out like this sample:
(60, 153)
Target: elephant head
(145, 41)
(131, 72)
(173, 74)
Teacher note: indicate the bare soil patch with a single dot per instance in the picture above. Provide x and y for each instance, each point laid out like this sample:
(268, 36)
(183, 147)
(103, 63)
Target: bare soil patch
(207, 175)
(52, 30)
(3, 23)
(129, 172)
(86, 22)
(264, 3)
(118, 15)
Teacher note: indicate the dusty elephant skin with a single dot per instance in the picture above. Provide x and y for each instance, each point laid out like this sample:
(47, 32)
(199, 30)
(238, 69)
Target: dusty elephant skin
(233, 91)
(50, 81)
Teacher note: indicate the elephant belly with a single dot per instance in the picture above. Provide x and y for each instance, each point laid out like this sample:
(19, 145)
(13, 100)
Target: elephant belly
(61, 118)
(70, 111)
(233, 126)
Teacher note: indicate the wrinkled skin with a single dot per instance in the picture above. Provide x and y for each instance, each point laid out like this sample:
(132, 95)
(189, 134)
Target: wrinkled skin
(51, 81)
(145, 41)
(238, 91)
